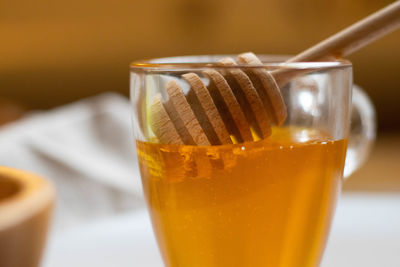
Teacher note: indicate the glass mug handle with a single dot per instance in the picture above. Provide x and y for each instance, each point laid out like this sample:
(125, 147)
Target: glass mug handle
(362, 131)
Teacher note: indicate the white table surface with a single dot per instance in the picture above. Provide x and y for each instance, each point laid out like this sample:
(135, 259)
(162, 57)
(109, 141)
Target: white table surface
(366, 233)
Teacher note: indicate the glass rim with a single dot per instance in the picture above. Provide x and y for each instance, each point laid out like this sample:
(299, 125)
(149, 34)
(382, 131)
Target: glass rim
(211, 61)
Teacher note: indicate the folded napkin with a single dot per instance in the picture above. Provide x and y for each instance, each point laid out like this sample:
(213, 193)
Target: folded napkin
(86, 149)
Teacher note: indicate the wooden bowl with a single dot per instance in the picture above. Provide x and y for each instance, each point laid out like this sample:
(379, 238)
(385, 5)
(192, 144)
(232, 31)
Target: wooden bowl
(26, 202)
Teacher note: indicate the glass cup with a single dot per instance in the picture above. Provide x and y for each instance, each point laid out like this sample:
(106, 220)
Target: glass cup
(268, 202)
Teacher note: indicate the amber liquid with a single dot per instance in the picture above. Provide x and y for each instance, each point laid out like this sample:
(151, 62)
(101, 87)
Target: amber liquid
(262, 204)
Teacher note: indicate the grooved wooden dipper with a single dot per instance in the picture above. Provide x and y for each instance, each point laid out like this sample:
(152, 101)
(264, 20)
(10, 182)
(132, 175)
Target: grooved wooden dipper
(241, 104)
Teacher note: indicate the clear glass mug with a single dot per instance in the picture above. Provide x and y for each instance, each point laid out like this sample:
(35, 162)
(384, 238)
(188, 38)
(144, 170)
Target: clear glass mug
(267, 202)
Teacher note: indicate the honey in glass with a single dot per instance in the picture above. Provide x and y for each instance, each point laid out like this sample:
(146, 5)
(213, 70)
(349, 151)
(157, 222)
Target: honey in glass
(267, 203)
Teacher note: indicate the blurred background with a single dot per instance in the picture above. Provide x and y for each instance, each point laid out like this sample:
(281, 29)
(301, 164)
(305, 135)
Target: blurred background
(57, 52)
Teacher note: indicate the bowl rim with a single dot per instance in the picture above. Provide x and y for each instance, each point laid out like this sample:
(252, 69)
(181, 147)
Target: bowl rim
(33, 194)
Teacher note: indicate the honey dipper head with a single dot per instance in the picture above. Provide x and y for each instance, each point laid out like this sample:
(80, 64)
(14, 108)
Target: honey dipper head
(236, 105)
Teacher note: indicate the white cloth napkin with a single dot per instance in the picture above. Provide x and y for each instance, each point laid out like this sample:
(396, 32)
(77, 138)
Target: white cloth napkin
(86, 149)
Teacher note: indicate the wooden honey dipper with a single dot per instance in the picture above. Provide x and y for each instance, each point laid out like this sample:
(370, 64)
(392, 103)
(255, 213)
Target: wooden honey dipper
(245, 102)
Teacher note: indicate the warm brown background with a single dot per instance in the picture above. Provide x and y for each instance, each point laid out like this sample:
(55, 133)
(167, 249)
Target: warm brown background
(54, 52)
